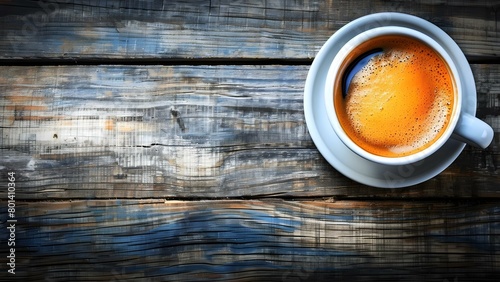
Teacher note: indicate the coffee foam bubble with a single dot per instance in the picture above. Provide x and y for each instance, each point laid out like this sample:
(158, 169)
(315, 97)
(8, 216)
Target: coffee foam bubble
(400, 101)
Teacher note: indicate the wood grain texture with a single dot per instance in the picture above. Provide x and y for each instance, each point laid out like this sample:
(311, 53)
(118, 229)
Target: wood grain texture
(163, 30)
(80, 132)
(178, 151)
(116, 240)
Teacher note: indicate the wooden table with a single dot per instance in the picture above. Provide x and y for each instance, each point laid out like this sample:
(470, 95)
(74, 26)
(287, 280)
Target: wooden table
(166, 140)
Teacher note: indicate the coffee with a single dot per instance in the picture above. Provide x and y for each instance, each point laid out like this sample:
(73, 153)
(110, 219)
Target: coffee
(399, 102)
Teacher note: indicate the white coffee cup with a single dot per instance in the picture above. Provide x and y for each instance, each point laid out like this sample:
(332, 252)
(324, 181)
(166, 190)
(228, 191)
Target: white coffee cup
(462, 126)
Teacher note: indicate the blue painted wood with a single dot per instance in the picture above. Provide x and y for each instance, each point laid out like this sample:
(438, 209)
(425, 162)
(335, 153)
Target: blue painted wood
(216, 29)
(245, 240)
(81, 132)
(103, 152)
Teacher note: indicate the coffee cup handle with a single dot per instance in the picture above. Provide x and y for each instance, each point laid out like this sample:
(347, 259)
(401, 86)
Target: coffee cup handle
(473, 131)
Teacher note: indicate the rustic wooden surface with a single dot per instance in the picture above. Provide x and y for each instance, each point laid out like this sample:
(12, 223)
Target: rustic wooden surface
(166, 141)
(192, 131)
(226, 29)
(259, 240)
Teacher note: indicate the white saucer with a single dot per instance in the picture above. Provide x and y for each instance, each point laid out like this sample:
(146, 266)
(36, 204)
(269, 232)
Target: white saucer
(334, 150)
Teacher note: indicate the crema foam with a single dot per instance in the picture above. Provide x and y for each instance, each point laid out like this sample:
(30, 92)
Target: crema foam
(400, 101)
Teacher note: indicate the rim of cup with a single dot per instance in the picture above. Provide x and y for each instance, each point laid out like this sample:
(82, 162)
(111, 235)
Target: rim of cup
(334, 72)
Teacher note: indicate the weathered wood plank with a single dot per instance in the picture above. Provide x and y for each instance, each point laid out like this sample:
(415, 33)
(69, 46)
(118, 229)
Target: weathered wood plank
(113, 29)
(255, 240)
(196, 132)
